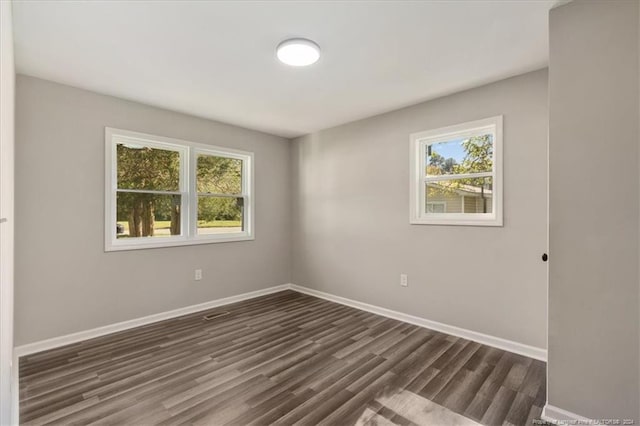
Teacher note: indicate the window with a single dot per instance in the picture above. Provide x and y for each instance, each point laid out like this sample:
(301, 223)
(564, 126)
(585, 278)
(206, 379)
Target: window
(163, 192)
(456, 176)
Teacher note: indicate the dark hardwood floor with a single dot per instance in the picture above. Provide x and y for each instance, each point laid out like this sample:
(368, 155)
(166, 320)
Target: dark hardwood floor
(279, 359)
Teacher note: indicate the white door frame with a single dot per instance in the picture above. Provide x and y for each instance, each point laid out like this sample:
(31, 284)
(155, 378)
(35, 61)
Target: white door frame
(8, 396)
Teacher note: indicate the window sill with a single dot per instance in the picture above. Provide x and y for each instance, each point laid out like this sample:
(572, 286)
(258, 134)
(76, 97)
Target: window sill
(177, 242)
(489, 221)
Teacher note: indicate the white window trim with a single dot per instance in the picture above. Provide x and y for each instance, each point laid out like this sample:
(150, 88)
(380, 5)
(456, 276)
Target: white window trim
(417, 147)
(188, 220)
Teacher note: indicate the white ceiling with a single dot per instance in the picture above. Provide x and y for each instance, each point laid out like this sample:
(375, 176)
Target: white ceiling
(217, 59)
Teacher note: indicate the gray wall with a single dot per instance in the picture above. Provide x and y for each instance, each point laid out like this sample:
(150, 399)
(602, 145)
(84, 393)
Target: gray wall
(593, 281)
(352, 235)
(64, 280)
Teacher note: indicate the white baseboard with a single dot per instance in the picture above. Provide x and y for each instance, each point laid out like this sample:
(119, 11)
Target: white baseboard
(15, 392)
(508, 345)
(554, 414)
(496, 342)
(56, 342)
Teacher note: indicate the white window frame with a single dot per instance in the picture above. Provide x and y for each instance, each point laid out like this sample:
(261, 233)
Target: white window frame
(189, 207)
(418, 149)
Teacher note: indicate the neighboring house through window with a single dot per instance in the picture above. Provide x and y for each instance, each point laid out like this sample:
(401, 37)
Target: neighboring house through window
(436, 207)
(164, 192)
(456, 176)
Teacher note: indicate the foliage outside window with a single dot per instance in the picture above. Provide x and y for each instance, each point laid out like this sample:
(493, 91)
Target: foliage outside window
(164, 192)
(456, 174)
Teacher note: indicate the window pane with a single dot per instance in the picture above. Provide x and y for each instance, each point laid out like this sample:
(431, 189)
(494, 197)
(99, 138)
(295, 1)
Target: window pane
(220, 215)
(147, 215)
(460, 196)
(219, 175)
(458, 156)
(141, 167)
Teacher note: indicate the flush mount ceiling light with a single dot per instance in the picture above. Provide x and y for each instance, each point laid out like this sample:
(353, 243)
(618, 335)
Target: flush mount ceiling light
(298, 52)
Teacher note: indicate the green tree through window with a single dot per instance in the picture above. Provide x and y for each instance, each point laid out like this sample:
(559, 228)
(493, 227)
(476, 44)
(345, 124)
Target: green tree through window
(478, 158)
(145, 168)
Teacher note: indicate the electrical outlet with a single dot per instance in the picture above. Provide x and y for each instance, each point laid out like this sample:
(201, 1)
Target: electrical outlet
(404, 281)
(198, 274)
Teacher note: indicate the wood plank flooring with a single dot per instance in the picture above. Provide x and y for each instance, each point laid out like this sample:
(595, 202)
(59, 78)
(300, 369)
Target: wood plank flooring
(279, 359)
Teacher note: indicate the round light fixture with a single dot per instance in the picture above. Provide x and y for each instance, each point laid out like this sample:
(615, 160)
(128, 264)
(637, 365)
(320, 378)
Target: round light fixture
(298, 52)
